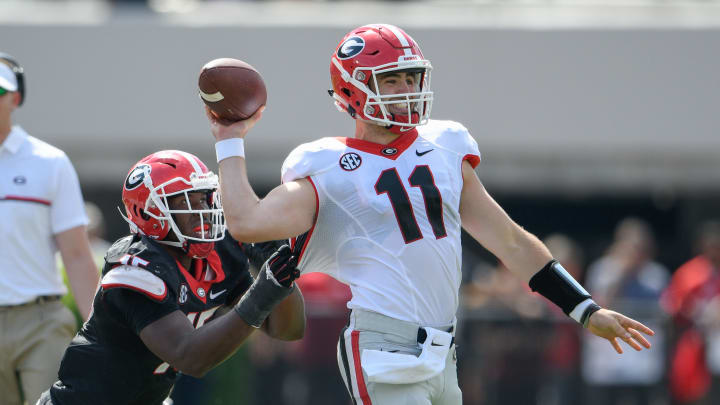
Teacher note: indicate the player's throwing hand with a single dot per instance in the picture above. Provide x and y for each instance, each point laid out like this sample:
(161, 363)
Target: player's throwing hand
(239, 129)
(612, 325)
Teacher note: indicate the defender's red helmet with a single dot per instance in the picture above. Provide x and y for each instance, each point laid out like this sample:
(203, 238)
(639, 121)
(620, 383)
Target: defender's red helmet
(374, 49)
(164, 174)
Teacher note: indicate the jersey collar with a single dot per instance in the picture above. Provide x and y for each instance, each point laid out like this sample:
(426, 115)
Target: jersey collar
(211, 263)
(14, 140)
(390, 151)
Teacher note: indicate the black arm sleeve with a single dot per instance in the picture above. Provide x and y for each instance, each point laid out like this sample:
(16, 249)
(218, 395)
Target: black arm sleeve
(554, 283)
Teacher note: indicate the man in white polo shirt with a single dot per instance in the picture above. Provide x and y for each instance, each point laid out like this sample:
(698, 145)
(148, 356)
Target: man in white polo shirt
(42, 210)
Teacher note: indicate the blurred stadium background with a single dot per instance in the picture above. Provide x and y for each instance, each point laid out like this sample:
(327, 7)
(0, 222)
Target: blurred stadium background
(587, 112)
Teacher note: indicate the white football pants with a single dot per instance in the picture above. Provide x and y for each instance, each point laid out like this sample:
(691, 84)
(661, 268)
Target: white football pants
(372, 331)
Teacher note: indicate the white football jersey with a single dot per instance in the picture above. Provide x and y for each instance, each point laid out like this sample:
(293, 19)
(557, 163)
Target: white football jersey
(388, 221)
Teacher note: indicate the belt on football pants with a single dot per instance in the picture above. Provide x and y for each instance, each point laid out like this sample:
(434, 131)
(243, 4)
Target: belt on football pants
(372, 321)
(41, 299)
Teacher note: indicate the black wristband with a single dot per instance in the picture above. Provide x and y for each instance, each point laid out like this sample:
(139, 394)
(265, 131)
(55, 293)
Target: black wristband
(260, 299)
(555, 284)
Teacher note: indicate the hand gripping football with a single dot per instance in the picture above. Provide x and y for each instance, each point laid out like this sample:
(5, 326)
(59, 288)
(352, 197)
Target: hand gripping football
(232, 89)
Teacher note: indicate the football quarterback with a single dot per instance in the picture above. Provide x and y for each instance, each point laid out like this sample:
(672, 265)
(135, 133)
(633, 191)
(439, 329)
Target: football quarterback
(382, 211)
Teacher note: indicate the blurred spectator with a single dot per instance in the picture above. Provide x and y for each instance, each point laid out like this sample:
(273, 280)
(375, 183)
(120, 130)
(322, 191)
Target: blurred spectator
(42, 213)
(693, 298)
(628, 279)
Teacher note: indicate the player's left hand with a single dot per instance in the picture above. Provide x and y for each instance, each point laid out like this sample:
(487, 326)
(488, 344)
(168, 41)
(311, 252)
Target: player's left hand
(612, 325)
(258, 253)
(283, 265)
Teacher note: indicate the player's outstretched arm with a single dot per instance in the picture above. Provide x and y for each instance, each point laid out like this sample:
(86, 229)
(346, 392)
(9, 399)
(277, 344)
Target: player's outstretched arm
(287, 211)
(196, 351)
(287, 320)
(612, 325)
(527, 256)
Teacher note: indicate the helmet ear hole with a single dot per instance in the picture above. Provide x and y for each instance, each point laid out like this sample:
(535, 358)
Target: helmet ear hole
(144, 215)
(346, 92)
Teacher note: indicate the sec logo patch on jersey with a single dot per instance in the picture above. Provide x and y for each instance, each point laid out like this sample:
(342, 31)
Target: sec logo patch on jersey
(350, 161)
(183, 295)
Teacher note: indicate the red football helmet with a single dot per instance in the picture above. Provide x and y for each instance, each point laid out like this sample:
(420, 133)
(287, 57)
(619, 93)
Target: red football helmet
(164, 174)
(368, 51)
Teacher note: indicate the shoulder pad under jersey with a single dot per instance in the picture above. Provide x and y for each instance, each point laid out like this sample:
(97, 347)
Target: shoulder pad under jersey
(452, 136)
(119, 248)
(311, 158)
(136, 279)
(139, 251)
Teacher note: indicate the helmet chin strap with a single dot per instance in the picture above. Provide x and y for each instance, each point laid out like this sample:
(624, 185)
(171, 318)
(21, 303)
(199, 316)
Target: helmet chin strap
(172, 243)
(400, 130)
(194, 249)
(199, 250)
(395, 129)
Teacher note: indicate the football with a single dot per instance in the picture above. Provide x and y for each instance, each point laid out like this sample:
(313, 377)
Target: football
(232, 89)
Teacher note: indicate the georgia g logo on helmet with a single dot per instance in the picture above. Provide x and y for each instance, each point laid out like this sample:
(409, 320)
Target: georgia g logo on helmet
(350, 47)
(136, 177)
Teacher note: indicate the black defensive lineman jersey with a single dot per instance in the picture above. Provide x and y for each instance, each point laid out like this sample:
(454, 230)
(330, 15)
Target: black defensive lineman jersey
(107, 362)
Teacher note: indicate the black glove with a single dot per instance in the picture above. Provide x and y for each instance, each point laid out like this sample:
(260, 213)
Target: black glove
(258, 253)
(272, 285)
(283, 265)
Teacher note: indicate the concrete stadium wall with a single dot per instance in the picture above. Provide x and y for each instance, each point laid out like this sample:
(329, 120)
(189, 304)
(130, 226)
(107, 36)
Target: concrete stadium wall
(571, 110)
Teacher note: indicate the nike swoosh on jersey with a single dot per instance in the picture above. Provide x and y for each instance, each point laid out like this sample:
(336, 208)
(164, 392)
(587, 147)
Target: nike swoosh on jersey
(422, 153)
(217, 294)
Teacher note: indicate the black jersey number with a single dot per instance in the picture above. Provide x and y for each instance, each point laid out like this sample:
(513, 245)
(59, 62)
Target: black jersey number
(389, 183)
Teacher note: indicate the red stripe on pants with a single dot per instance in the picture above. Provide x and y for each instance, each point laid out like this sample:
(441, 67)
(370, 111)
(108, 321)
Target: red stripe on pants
(358, 369)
